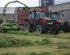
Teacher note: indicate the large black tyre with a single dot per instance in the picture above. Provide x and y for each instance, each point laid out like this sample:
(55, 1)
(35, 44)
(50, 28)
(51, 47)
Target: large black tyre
(67, 28)
(1, 21)
(27, 26)
(55, 29)
(40, 29)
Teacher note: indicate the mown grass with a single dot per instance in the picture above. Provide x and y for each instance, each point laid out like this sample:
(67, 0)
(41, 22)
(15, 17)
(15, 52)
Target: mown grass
(46, 41)
(23, 43)
(39, 35)
(33, 53)
(8, 54)
(11, 41)
(33, 34)
(66, 53)
(42, 53)
(63, 47)
(22, 33)
(47, 35)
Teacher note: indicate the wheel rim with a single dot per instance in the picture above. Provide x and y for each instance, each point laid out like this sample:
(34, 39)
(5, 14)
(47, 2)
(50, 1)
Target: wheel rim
(39, 29)
(26, 27)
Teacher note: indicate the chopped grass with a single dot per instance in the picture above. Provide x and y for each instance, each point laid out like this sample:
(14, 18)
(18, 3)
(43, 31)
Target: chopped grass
(8, 54)
(45, 53)
(23, 43)
(33, 34)
(46, 41)
(60, 43)
(66, 53)
(42, 53)
(33, 53)
(63, 47)
(11, 41)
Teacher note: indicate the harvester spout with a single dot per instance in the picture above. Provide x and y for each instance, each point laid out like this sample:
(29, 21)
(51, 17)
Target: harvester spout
(5, 7)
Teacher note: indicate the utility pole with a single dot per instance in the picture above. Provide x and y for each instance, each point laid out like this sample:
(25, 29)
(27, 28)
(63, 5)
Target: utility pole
(44, 2)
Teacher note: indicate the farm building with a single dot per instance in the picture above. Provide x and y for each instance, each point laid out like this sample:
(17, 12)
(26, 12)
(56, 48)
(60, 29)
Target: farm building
(63, 8)
(10, 13)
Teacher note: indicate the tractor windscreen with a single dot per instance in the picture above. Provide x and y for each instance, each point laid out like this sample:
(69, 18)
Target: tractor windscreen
(55, 16)
(40, 14)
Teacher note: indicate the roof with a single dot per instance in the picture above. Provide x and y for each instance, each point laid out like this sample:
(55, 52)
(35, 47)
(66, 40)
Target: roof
(59, 7)
(10, 10)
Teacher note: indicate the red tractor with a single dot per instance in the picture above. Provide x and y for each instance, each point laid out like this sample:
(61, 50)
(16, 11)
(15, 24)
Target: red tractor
(57, 18)
(36, 20)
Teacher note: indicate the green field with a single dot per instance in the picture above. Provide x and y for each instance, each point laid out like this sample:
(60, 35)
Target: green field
(21, 43)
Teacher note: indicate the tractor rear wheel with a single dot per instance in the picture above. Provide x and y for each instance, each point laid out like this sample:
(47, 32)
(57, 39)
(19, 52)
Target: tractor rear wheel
(40, 29)
(55, 29)
(27, 26)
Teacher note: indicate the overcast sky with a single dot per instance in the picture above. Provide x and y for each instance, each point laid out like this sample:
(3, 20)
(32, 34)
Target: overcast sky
(30, 3)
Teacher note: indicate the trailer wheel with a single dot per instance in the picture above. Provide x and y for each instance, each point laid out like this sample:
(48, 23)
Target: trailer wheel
(27, 26)
(40, 29)
(55, 29)
(67, 28)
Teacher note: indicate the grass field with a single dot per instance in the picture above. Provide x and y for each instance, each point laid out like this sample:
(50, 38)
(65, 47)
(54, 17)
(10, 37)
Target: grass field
(21, 43)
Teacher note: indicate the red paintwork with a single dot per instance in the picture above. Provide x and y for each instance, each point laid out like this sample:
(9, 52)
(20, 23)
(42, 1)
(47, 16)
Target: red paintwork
(44, 8)
(24, 14)
(58, 21)
(44, 19)
(30, 20)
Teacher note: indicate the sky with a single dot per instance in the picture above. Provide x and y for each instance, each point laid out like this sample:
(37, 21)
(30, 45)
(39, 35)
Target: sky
(30, 3)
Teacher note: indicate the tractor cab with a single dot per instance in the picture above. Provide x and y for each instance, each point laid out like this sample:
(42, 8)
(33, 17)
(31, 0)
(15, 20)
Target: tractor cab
(36, 15)
(57, 17)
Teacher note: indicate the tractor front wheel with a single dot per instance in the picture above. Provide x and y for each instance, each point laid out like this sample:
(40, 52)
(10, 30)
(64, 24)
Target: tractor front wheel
(55, 29)
(40, 29)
